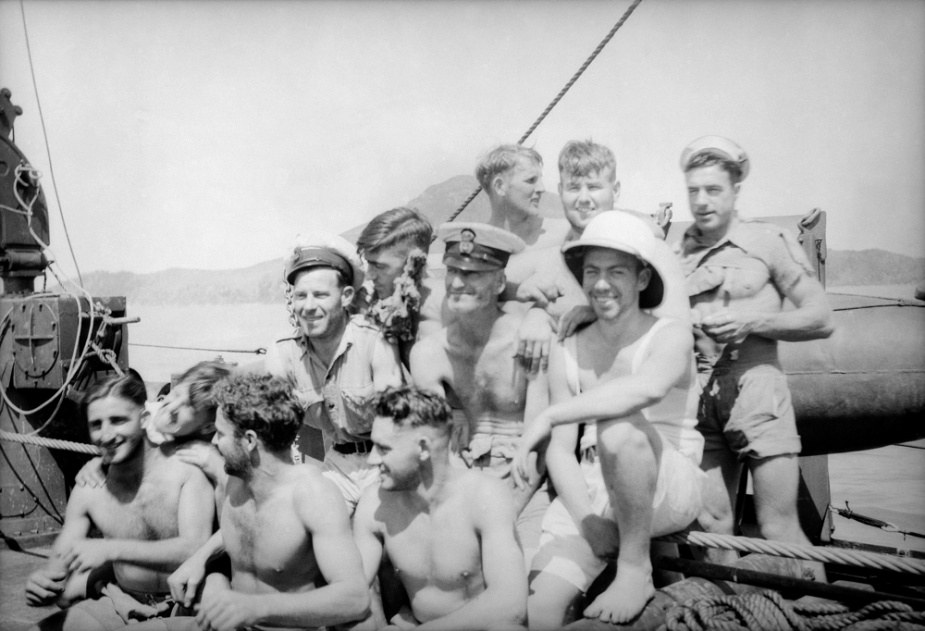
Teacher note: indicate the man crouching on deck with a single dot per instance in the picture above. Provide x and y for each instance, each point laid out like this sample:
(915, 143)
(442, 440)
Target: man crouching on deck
(284, 526)
(448, 531)
(153, 511)
(638, 475)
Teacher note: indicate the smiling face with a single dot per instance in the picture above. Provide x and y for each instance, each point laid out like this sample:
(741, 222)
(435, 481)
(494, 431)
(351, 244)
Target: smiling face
(397, 453)
(177, 416)
(584, 197)
(386, 265)
(612, 281)
(320, 303)
(468, 291)
(712, 197)
(115, 427)
(521, 188)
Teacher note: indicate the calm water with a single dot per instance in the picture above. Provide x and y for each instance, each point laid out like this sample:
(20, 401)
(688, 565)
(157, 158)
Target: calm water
(886, 483)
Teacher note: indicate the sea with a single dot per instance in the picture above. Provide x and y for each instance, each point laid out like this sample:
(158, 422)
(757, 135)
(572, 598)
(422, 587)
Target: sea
(887, 483)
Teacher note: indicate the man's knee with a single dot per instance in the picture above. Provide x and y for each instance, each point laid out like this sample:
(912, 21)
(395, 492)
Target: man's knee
(621, 439)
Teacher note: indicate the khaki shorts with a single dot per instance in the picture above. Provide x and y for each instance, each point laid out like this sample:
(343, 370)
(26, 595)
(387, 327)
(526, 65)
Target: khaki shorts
(748, 410)
(565, 552)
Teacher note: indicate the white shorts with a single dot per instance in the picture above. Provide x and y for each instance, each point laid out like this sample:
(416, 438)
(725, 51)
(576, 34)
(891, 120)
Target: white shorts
(351, 474)
(566, 553)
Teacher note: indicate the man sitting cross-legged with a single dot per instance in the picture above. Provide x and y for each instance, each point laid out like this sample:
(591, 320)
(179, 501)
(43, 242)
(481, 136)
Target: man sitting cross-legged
(284, 526)
(638, 476)
(448, 531)
(153, 511)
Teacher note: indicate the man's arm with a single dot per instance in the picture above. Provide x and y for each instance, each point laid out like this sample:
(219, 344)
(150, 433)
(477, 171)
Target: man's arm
(427, 360)
(386, 365)
(503, 604)
(185, 582)
(344, 598)
(810, 320)
(53, 582)
(195, 512)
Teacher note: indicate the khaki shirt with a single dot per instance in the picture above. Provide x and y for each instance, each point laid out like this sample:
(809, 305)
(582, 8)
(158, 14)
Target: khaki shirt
(336, 398)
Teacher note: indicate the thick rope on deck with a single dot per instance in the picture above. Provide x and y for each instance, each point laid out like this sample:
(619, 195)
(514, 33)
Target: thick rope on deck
(769, 610)
(805, 553)
(50, 443)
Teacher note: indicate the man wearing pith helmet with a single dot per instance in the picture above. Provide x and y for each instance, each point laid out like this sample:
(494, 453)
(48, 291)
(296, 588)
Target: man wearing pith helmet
(738, 274)
(629, 379)
(472, 361)
(337, 362)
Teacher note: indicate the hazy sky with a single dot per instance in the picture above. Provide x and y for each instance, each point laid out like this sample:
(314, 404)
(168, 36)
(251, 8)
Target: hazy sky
(208, 133)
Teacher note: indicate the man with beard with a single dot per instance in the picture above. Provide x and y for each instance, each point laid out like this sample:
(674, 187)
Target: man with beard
(284, 526)
(473, 361)
(336, 361)
(629, 378)
(152, 510)
(448, 532)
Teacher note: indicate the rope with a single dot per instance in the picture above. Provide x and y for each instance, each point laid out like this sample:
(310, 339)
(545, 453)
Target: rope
(256, 351)
(51, 443)
(555, 101)
(51, 167)
(767, 609)
(806, 553)
(872, 521)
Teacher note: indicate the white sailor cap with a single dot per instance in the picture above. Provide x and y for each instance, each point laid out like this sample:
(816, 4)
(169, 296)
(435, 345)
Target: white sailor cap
(478, 247)
(323, 249)
(722, 147)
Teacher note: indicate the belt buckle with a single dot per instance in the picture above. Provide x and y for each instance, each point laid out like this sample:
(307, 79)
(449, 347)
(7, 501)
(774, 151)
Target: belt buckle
(362, 447)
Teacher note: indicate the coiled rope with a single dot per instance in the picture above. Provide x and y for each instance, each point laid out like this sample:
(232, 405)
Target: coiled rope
(767, 609)
(806, 553)
(555, 101)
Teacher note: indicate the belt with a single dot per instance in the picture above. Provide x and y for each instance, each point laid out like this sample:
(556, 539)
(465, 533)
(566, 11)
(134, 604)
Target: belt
(360, 447)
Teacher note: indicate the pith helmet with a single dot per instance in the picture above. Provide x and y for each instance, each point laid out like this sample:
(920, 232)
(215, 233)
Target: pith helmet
(323, 249)
(618, 230)
(478, 247)
(717, 145)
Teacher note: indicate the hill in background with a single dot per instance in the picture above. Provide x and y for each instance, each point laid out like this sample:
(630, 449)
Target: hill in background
(263, 282)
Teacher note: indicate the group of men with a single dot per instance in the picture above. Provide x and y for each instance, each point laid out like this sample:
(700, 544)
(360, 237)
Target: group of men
(493, 469)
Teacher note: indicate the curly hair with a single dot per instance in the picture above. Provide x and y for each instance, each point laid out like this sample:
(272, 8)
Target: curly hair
(409, 406)
(500, 160)
(581, 158)
(262, 403)
(202, 378)
(399, 225)
(709, 159)
(128, 386)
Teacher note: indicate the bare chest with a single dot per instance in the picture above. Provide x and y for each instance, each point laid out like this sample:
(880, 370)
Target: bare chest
(488, 381)
(146, 513)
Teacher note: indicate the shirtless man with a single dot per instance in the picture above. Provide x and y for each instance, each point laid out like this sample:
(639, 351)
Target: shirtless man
(629, 377)
(588, 186)
(738, 274)
(284, 526)
(152, 510)
(448, 532)
(473, 360)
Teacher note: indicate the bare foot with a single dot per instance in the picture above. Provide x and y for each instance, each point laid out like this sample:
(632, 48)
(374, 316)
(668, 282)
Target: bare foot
(626, 597)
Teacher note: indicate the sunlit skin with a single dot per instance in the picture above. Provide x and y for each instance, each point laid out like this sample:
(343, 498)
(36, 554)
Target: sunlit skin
(584, 197)
(468, 291)
(612, 281)
(319, 303)
(177, 416)
(385, 265)
(115, 427)
(229, 446)
(397, 455)
(712, 197)
(522, 188)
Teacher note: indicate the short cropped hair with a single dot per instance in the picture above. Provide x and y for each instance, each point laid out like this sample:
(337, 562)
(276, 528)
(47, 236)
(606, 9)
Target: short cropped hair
(202, 378)
(709, 159)
(409, 406)
(262, 403)
(399, 225)
(581, 158)
(500, 160)
(128, 386)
